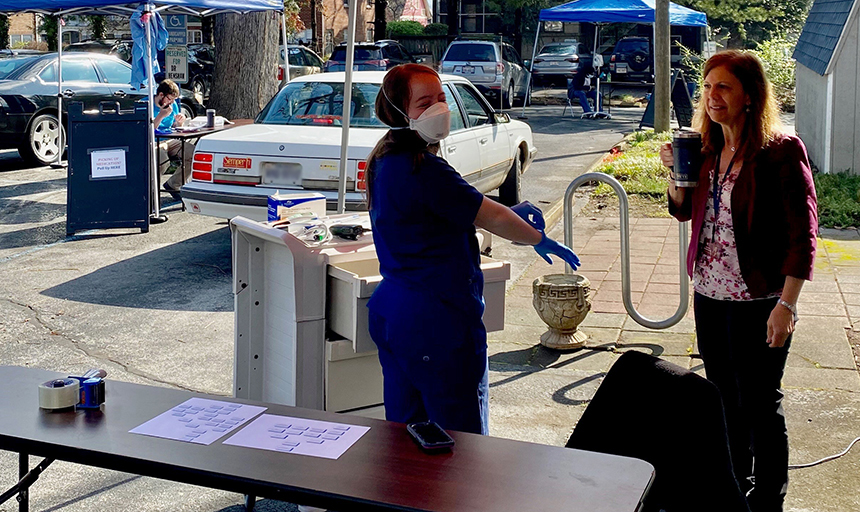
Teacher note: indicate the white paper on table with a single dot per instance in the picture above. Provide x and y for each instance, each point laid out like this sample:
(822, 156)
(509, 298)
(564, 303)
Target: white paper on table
(298, 435)
(199, 420)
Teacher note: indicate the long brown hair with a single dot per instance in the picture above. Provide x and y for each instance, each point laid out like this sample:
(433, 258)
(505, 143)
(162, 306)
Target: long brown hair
(395, 94)
(762, 119)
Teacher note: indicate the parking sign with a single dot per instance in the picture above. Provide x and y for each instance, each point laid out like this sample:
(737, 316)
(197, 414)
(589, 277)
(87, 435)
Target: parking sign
(177, 30)
(176, 64)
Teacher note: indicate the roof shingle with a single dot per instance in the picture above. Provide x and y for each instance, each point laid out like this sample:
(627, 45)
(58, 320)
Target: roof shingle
(821, 33)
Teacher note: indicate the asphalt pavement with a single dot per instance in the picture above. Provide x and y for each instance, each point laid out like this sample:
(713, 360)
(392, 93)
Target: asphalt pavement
(157, 309)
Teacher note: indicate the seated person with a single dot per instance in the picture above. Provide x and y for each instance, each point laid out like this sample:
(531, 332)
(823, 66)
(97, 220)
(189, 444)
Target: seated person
(168, 116)
(581, 87)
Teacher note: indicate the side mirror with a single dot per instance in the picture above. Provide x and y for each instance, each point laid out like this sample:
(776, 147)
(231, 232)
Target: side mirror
(527, 63)
(502, 117)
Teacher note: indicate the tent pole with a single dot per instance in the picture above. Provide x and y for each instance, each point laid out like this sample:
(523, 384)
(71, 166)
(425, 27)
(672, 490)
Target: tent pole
(531, 70)
(156, 217)
(60, 142)
(286, 50)
(347, 104)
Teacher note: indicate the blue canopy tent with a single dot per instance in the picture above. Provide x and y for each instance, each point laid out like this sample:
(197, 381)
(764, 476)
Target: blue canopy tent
(615, 11)
(118, 7)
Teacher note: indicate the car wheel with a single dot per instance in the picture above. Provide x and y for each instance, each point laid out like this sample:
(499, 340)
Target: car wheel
(510, 192)
(42, 143)
(508, 96)
(187, 111)
(199, 89)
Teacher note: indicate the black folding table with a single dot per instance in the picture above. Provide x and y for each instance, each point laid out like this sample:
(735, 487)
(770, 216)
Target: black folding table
(383, 470)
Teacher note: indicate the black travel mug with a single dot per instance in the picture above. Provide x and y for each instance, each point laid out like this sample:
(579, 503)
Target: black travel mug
(687, 151)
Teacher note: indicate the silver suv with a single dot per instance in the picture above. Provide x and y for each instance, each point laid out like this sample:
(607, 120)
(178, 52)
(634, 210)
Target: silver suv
(494, 68)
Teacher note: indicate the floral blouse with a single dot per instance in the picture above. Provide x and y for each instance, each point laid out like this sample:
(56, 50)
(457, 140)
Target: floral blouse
(718, 273)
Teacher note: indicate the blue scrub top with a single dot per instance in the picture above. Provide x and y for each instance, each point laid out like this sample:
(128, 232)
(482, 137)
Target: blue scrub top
(423, 228)
(167, 122)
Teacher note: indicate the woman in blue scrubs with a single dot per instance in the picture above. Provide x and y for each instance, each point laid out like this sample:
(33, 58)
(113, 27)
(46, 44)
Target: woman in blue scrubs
(425, 316)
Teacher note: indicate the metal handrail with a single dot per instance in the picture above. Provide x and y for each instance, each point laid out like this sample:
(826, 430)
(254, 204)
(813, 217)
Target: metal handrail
(625, 250)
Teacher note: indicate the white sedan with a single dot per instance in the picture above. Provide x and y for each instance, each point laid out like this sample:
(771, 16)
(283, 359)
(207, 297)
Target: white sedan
(294, 146)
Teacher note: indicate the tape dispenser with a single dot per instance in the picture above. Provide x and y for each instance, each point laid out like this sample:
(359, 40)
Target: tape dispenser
(86, 391)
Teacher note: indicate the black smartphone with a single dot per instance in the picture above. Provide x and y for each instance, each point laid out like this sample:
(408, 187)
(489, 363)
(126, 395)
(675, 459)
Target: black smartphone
(430, 436)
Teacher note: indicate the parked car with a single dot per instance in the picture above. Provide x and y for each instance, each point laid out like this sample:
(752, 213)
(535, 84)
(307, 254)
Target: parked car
(118, 48)
(295, 143)
(7, 53)
(378, 56)
(632, 60)
(560, 61)
(494, 68)
(303, 61)
(28, 97)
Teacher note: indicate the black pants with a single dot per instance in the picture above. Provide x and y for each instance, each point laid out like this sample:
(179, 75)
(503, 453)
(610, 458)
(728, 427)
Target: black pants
(732, 340)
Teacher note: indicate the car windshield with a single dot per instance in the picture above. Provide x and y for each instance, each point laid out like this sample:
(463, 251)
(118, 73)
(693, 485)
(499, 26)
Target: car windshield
(321, 103)
(9, 66)
(471, 52)
(360, 54)
(558, 50)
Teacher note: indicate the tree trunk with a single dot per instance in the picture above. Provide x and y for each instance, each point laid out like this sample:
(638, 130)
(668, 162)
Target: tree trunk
(246, 73)
(379, 21)
(453, 13)
(207, 25)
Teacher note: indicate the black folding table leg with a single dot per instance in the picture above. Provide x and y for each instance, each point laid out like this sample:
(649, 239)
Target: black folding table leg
(24, 495)
(250, 500)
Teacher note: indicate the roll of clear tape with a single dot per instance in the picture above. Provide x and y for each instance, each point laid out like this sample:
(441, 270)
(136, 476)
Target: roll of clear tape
(59, 394)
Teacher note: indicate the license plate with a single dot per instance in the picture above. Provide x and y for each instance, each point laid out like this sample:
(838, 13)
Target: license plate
(281, 173)
(620, 68)
(553, 63)
(468, 70)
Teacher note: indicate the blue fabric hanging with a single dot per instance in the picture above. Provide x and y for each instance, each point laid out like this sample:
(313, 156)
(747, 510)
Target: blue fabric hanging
(138, 52)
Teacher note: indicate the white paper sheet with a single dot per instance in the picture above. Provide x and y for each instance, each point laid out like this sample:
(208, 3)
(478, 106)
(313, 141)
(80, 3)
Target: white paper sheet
(298, 435)
(199, 420)
(108, 164)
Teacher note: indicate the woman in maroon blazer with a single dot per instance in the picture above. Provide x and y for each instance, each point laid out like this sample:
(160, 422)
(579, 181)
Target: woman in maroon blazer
(754, 220)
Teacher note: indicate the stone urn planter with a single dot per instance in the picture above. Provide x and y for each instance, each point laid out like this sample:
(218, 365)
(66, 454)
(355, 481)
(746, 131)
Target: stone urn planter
(562, 301)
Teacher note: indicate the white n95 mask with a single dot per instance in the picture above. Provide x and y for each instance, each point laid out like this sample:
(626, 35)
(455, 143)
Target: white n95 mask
(433, 124)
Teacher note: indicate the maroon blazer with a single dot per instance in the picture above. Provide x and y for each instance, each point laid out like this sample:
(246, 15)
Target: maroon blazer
(774, 215)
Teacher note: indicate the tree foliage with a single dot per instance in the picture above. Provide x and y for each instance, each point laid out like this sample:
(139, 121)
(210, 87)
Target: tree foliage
(746, 22)
(4, 31)
(49, 27)
(436, 29)
(775, 54)
(97, 26)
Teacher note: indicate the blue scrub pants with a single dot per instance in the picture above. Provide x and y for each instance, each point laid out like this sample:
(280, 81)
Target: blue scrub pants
(434, 362)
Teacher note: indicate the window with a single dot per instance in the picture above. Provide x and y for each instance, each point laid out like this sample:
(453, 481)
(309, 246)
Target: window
(553, 26)
(471, 52)
(312, 59)
(115, 72)
(321, 103)
(49, 74)
(81, 70)
(297, 57)
(457, 121)
(475, 109)
(195, 36)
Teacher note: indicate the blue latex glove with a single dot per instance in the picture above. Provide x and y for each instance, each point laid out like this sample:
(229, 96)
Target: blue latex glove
(531, 214)
(549, 246)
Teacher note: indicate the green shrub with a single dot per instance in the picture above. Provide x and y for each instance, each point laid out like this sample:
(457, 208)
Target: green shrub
(404, 28)
(775, 54)
(838, 200)
(436, 29)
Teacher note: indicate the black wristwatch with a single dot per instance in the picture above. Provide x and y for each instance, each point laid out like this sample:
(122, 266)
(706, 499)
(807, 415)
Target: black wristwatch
(790, 307)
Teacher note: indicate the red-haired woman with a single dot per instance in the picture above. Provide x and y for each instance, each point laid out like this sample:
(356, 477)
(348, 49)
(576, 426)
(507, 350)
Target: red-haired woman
(425, 316)
(754, 222)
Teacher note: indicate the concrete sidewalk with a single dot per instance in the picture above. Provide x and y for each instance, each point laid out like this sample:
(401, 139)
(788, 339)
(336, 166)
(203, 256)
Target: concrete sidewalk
(821, 381)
